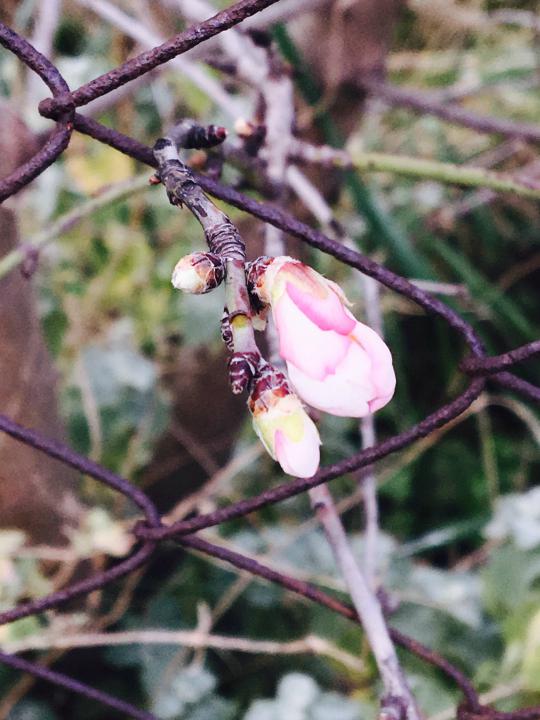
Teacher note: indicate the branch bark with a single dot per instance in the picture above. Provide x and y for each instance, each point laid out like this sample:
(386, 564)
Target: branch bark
(398, 701)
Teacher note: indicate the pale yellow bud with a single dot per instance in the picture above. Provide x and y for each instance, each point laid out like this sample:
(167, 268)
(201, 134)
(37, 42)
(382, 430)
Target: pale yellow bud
(198, 273)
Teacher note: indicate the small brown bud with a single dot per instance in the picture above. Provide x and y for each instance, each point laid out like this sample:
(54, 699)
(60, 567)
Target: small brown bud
(226, 331)
(242, 370)
(255, 271)
(252, 134)
(243, 128)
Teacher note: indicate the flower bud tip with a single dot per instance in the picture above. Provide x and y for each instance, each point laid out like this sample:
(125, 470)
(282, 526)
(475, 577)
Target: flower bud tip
(198, 273)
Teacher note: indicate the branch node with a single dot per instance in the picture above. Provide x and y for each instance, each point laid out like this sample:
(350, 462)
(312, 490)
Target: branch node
(190, 135)
(243, 367)
(30, 261)
(224, 240)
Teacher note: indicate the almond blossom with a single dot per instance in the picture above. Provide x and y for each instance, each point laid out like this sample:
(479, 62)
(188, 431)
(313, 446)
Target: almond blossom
(335, 363)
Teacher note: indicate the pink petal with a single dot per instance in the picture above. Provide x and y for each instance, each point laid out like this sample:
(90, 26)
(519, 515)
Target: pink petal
(379, 402)
(300, 459)
(286, 270)
(326, 312)
(316, 352)
(362, 383)
(345, 393)
(382, 373)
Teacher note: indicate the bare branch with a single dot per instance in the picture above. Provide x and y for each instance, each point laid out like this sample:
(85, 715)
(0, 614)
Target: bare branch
(398, 701)
(310, 645)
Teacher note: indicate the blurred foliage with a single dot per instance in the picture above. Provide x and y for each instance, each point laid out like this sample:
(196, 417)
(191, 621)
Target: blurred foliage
(459, 551)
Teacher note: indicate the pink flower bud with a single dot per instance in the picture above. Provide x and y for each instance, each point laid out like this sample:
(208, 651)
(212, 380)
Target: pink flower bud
(283, 426)
(334, 362)
(198, 273)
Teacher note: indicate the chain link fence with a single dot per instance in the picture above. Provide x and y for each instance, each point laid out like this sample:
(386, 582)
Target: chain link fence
(149, 532)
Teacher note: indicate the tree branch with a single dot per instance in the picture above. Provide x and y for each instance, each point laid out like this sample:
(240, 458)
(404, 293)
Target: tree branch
(398, 701)
(424, 104)
(311, 644)
(69, 220)
(463, 175)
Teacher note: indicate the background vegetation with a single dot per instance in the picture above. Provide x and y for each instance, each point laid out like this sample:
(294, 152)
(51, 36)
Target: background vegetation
(459, 550)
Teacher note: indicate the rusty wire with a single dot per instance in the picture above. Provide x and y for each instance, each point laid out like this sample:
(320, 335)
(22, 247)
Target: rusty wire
(150, 531)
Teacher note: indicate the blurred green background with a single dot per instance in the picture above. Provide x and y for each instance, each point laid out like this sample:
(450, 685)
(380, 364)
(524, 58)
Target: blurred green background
(459, 551)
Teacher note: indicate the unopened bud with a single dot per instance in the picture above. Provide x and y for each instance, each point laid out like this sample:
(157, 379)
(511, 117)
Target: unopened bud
(335, 363)
(253, 135)
(283, 426)
(243, 128)
(198, 273)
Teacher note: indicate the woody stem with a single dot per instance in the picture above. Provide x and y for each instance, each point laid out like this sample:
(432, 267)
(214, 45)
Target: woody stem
(221, 235)
(238, 307)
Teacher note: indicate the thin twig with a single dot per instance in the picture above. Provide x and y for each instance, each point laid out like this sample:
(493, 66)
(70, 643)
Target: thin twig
(71, 219)
(311, 644)
(219, 479)
(148, 39)
(283, 11)
(398, 701)
(423, 103)
(222, 237)
(143, 63)
(367, 482)
(48, 15)
(444, 172)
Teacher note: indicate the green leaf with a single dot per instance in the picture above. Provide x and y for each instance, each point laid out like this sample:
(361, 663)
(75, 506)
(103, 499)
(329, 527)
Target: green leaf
(184, 690)
(298, 696)
(508, 580)
(517, 518)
